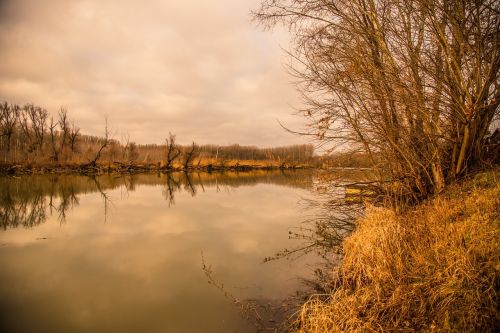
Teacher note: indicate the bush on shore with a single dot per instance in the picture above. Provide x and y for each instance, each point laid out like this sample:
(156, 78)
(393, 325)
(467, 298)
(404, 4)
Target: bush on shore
(434, 268)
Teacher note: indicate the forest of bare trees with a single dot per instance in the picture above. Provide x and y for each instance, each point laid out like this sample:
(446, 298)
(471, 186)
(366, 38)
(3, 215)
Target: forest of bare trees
(414, 85)
(29, 135)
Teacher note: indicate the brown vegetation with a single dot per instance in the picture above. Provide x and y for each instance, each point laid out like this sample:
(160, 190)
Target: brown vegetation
(412, 84)
(433, 268)
(31, 141)
(413, 88)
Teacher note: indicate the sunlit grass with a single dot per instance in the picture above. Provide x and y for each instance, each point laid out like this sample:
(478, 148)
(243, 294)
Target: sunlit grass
(434, 268)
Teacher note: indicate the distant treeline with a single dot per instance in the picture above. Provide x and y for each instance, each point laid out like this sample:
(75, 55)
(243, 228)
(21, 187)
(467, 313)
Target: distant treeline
(289, 154)
(30, 135)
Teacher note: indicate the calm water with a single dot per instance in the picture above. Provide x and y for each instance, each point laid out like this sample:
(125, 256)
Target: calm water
(123, 254)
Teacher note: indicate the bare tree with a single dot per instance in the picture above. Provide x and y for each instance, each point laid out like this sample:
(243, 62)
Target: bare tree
(189, 155)
(38, 118)
(53, 140)
(9, 118)
(74, 131)
(25, 126)
(104, 142)
(58, 139)
(33, 123)
(173, 150)
(64, 126)
(126, 139)
(413, 84)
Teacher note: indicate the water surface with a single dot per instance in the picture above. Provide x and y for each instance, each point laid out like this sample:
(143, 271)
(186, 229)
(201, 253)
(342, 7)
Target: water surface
(123, 253)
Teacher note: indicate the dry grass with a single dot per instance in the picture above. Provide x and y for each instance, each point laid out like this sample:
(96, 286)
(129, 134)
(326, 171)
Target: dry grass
(432, 269)
(206, 161)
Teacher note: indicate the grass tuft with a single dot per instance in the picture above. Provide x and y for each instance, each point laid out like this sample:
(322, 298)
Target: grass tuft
(432, 269)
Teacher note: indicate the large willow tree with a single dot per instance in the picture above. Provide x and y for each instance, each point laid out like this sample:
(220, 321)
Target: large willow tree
(412, 83)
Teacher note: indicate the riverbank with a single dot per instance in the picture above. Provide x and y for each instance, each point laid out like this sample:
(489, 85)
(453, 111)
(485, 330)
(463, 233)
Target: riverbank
(435, 268)
(120, 167)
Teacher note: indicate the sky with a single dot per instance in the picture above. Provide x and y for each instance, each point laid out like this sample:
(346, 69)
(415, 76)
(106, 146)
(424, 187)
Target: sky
(198, 68)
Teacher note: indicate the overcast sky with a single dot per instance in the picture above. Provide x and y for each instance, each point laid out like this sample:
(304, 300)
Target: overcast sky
(198, 68)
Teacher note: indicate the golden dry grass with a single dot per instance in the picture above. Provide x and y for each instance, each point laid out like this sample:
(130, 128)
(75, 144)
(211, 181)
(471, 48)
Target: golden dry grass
(204, 162)
(432, 269)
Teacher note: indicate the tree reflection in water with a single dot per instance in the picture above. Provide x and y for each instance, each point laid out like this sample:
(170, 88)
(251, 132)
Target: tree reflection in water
(22, 211)
(28, 201)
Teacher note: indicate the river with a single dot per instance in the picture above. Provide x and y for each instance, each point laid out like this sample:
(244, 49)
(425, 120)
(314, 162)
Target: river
(124, 253)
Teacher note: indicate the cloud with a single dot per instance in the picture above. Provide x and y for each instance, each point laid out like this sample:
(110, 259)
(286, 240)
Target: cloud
(198, 68)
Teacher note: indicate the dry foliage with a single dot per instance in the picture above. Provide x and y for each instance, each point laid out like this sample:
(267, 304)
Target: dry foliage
(435, 268)
(28, 136)
(412, 84)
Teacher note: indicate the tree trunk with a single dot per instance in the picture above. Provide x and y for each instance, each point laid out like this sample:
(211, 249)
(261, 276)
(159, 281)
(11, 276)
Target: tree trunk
(437, 174)
(459, 169)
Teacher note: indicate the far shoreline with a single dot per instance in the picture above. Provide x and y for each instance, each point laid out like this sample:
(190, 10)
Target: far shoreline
(19, 169)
